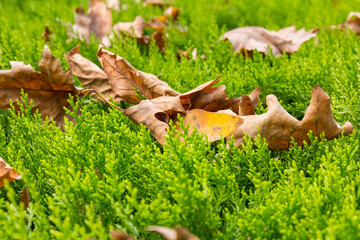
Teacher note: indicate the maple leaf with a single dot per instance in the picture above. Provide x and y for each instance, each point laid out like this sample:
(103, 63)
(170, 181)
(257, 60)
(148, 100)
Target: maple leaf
(49, 88)
(98, 20)
(173, 233)
(278, 127)
(6, 172)
(247, 39)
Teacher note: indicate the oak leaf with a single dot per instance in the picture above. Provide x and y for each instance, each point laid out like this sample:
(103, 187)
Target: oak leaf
(247, 39)
(49, 88)
(179, 233)
(6, 172)
(278, 127)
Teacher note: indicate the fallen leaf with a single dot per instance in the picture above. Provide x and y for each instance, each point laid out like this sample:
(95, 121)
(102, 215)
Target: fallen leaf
(90, 75)
(158, 37)
(49, 88)
(101, 19)
(6, 172)
(248, 103)
(155, 114)
(25, 198)
(98, 20)
(278, 127)
(352, 22)
(172, 12)
(123, 78)
(213, 99)
(113, 4)
(247, 39)
(133, 29)
(118, 235)
(213, 124)
(173, 233)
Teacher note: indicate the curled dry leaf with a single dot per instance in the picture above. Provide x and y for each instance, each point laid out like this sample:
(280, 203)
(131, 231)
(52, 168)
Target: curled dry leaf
(155, 114)
(123, 78)
(49, 88)
(6, 172)
(173, 233)
(98, 21)
(352, 22)
(118, 235)
(278, 127)
(247, 39)
(118, 79)
(133, 29)
(90, 75)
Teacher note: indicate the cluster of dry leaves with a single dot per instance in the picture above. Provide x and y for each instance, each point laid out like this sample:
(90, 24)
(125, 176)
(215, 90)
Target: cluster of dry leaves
(98, 20)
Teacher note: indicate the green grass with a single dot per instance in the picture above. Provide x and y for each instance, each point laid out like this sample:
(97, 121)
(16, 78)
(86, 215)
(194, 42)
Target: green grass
(310, 192)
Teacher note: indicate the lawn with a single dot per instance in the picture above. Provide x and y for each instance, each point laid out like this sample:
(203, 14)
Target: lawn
(106, 173)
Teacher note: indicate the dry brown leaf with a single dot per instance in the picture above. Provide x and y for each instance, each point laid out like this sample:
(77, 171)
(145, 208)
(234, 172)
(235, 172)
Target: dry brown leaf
(158, 37)
(98, 20)
(133, 29)
(247, 39)
(25, 197)
(278, 127)
(118, 235)
(49, 88)
(173, 233)
(113, 4)
(90, 75)
(123, 78)
(155, 114)
(172, 12)
(213, 124)
(352, 22)
(213, 99)
(6, 172)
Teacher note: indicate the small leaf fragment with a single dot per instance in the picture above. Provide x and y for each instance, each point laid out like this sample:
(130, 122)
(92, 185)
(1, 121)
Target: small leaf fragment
(173, 233)
(6, 172)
